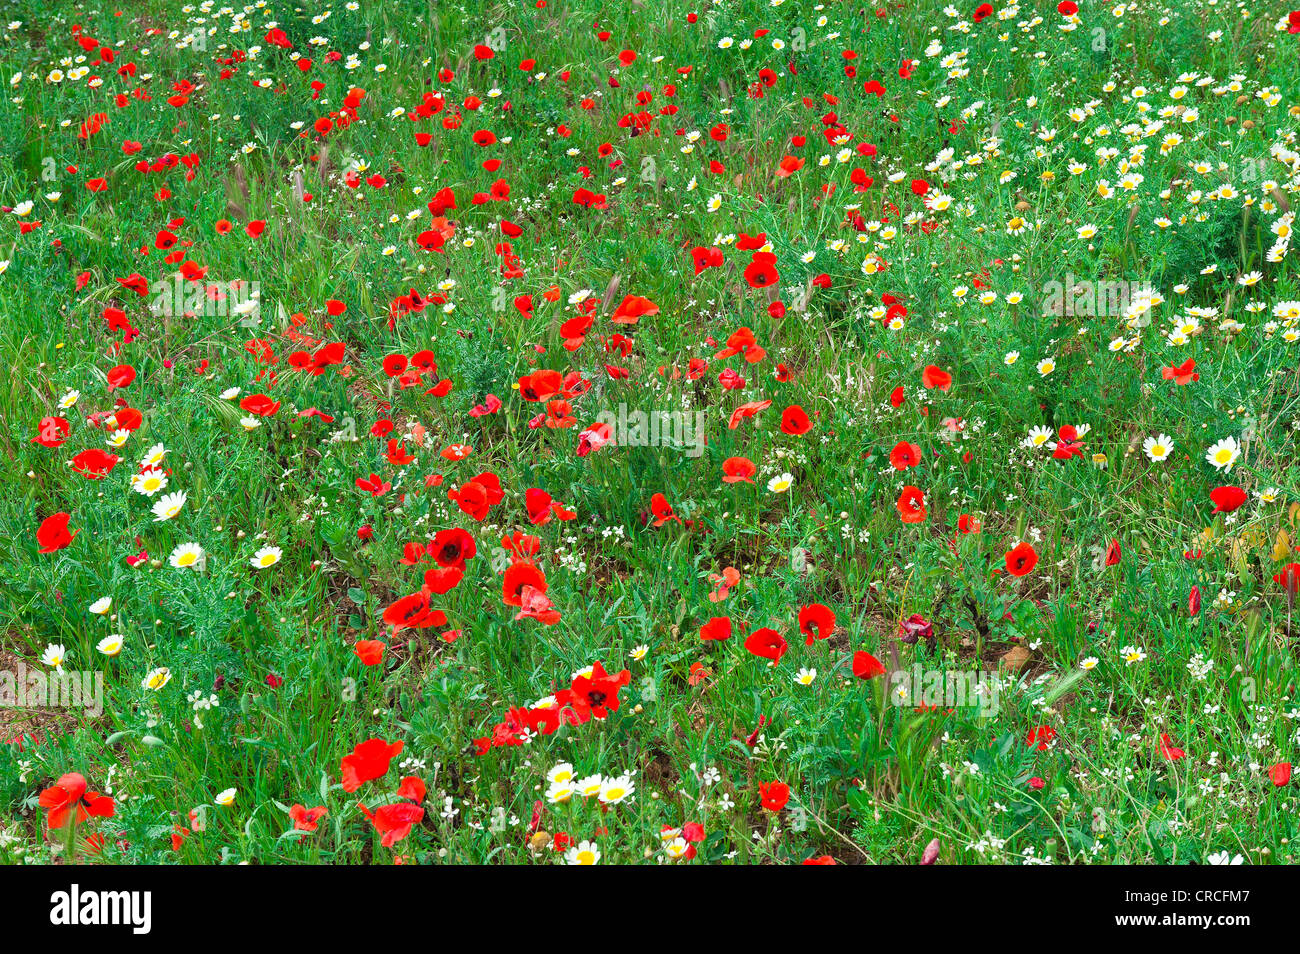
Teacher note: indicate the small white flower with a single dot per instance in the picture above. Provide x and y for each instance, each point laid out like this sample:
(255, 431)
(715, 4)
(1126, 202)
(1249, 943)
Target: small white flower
(266, 556)
(168, 506)
(155, 679)
(110, 645)
(187, 556)
(1223, 454)
(583, 853)
(781, 483)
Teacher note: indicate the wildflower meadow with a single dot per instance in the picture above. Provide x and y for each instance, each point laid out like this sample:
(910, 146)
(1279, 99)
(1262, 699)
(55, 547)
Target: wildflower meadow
(563, 432)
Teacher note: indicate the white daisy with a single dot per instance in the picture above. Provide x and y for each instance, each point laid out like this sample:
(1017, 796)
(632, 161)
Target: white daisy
(187, 556)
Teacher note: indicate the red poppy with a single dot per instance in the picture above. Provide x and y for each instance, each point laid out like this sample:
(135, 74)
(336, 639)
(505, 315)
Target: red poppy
(374, 485)
(476, 497)
(1280, 774)
(259, 405)
(394, 821)
(1227, 499)
(867, 666)
(911, 505)
(368, 761)
(761, 271)
(794, 420)
(120, 377)
(1289, 578)
(53, 534)
(596, 695)
(716, 629)
(304, 818)
(1041, 736)
(518, 576)
(413, 612)
(816, 621)
(767, 643)
(736, 469)
(935, 377)
(663, 510)
(1021, 559)
(69, 793)
(452, 547)
(773, 795)
(369, 651)
(904, 455)
(52, 432)
(95, 464)
(1181, 374)
(632, 308)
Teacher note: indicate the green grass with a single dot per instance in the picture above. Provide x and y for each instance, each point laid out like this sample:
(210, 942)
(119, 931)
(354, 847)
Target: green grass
(1019, 131)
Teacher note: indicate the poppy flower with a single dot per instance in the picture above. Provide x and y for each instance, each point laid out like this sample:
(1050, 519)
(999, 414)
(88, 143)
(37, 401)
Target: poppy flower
(443, 579)
(736, 469)
(304, 818)
(761, 271)
(1040, 737)
(452, 547)
(746, 410)
(1021, 559)
(368, 761)
(120, 377)
(662, 510)
(1168, 750)
(816, 621)
(595, 695)
(716, 629)
(374, 485)
(935, 377)
(1181, 374)
(477, 497)
(1227, 499)
(95, 464)
(518, 576)
(1289, 578)
(369, 651)
(911, 505)
(259, 405)
(1280, 774)
(867, 666)
(53, 533)
(904, 455)
(395, 821)
(52, 432)
(767, 643)
(632, 309)
(773, 796)
(794, 420)
(413, 612)
(68, 796)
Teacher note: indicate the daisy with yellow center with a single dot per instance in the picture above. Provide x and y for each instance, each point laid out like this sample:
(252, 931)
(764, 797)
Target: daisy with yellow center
(266, 556)
(149, 482)
(110, 645)
(187, 556)
(156, 678)
(583, 853)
